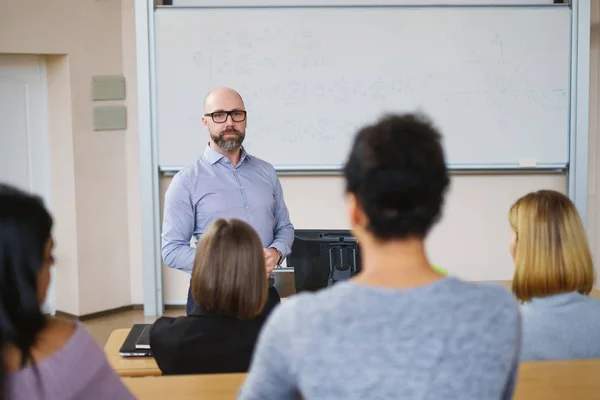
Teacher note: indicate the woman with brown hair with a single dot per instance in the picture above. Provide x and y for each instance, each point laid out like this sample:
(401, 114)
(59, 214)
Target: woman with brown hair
(229, 287)
(553, 277)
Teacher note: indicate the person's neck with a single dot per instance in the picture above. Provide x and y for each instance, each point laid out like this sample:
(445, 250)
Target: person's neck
(233, 156)
(395, 264)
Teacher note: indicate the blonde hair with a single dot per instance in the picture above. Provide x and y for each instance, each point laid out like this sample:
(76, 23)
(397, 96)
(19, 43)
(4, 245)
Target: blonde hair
(229, 275)
(552, 254)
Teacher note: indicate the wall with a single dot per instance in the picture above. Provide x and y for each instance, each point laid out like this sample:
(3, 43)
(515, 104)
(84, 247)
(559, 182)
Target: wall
(471, 240)
(134, 214)
(594, 141)
(88, 173)
(62, 172)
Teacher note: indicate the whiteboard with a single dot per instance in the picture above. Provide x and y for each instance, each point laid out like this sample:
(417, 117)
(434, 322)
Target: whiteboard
(302, 3)
(494, 80)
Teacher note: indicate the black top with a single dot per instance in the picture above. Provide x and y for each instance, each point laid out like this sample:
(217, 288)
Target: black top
(205, 342)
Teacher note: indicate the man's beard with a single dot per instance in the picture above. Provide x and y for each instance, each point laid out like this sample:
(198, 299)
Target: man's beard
(229, 144)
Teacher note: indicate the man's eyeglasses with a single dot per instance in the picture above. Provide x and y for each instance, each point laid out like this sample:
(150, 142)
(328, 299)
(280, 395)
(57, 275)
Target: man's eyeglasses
(221, 116)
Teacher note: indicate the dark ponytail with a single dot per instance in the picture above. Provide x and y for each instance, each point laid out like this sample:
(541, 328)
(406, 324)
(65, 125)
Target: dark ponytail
(25, 228)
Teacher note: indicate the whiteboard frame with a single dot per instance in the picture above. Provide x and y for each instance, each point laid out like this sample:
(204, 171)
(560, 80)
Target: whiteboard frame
(359, 3)
(150, 172)
(580, 106)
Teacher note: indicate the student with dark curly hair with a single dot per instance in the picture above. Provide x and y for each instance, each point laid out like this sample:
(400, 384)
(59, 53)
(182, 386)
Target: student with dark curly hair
(399, 329)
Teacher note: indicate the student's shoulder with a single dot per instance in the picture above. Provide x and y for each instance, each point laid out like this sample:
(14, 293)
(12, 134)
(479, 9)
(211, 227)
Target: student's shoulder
(485, 290)
(165, 324)
(70, 340)
(62, 328)
(80, 336)
(308, 308)
(165, 335)
(495, 299)
(592, 301)
(60, 334)
(291, 309)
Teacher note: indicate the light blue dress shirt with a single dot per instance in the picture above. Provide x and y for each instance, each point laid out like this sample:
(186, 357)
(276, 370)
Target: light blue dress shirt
(212, 188)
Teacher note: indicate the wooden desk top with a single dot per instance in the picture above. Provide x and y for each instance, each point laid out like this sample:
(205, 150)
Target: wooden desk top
(544, 380)
(184, 387)
(128, 366)
(554, 380)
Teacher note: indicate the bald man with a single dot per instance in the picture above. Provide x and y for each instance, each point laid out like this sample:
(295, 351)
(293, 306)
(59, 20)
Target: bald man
(225, 182)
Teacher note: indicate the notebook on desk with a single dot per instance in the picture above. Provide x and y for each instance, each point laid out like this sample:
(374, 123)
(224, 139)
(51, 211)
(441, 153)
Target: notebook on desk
(137, 343)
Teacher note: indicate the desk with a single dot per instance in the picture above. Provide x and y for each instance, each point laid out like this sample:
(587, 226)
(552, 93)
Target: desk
(128, 366)
(554, 380)
(543, 380)
(183, 387)
(547, 380)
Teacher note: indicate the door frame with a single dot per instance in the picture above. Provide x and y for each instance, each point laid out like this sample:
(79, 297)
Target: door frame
(40, 164)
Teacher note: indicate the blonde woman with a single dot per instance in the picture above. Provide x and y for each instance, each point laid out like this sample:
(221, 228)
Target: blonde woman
(229, 287)
(553, 276)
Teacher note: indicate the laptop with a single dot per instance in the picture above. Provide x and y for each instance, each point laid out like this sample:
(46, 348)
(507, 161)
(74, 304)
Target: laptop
(143, 341)
(137, 343)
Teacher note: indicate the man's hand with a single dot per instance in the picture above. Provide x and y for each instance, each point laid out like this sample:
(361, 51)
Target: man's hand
(271, 259)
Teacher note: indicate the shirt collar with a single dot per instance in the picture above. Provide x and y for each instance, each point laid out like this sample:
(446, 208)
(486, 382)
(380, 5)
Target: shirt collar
(213, 156)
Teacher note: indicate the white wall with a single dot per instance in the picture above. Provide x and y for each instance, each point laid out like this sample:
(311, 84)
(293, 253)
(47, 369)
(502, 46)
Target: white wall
(89, 169)
(63, 183)
(471, 240)
(593, 219)
(134, 215)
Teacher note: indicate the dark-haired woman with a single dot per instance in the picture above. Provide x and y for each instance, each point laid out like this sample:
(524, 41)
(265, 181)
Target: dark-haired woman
(399, 329)
(42, 357)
